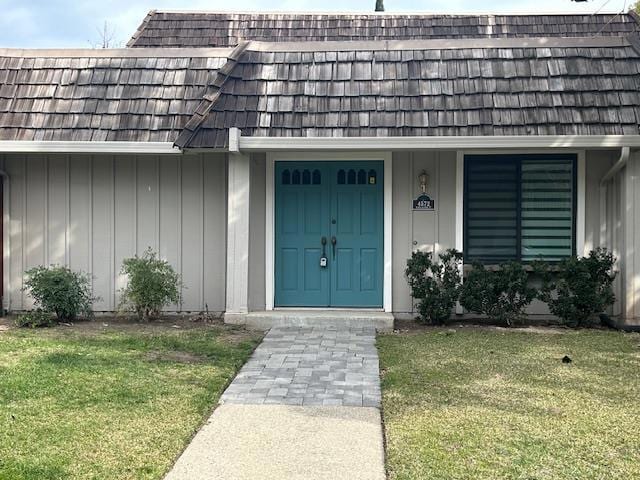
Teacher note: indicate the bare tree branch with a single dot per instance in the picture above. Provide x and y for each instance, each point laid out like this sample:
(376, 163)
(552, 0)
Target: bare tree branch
(106, 37)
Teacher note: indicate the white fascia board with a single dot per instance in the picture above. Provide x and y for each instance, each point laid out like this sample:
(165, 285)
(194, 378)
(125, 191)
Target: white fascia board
(87, 147)
(439, 143)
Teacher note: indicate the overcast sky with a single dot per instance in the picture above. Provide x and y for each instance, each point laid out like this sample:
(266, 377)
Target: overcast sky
(74, 23)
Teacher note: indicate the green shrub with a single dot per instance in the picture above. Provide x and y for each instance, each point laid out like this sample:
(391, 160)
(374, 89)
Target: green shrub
(502, 295)
(434, 284)
(153, 284)
(34, 319)
(58, 289)
(580, 287)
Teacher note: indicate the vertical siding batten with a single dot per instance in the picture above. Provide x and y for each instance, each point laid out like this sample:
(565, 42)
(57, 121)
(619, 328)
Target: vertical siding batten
(45, 236)
(67, 219)
(179, 218)
(202, 221)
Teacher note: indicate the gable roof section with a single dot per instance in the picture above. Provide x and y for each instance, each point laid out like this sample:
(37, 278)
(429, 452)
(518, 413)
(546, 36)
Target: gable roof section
(102, 95)
(427, 88)
(211, 29)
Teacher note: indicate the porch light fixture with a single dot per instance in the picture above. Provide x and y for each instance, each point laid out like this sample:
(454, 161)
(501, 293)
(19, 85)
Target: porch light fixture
(423, 178)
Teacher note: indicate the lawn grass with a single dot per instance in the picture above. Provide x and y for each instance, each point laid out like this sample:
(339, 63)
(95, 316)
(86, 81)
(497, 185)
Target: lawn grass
(495, 404)
(117, 402)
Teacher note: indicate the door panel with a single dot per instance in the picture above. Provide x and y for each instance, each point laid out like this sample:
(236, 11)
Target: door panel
(301, 217)
(358, 212)
(341, 200)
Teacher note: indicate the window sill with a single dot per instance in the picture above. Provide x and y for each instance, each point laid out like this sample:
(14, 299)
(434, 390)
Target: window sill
(494, 268)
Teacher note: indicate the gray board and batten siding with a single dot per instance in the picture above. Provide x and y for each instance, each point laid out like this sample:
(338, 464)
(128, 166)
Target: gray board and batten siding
(92, 211)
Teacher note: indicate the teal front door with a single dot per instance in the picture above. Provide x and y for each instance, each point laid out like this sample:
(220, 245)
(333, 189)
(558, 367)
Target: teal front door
(329, 234)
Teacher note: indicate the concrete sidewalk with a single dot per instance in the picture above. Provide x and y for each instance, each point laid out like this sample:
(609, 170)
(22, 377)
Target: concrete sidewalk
(305, 406)
(283, 442)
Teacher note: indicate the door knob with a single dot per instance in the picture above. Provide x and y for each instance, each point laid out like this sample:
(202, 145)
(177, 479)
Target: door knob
(333, 246)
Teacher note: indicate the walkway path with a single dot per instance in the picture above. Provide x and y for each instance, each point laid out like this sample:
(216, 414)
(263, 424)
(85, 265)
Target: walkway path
(305, 406)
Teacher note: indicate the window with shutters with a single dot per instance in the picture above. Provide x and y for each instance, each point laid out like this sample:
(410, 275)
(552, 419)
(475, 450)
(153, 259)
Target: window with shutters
(519, 207)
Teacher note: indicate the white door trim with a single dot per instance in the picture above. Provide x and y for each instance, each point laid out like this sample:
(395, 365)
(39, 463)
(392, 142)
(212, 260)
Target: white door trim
(272, 158)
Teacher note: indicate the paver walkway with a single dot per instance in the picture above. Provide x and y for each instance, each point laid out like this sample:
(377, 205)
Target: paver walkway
(310, 366)
(305, 406)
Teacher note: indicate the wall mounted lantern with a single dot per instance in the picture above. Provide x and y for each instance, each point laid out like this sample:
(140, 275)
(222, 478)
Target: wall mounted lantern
(423, 178)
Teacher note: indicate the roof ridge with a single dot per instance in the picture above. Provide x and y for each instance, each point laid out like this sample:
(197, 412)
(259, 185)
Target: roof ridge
(148, 52)
(210, 97)
(386, 13)
(438, 44)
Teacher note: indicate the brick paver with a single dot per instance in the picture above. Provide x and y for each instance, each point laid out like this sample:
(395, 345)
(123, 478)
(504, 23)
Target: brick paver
(310, 367)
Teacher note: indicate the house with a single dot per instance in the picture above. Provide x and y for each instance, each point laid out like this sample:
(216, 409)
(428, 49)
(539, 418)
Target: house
(288, 164)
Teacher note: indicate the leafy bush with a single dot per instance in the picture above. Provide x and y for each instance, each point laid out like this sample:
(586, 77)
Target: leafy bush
(153, 284)
(34, 319)
(581, 287)
(502, 295)
(434, 284)
(58, 289)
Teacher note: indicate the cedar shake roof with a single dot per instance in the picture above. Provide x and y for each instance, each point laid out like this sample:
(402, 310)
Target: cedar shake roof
(211, 29)
(551, 85)
(425, 88)
(102, 95)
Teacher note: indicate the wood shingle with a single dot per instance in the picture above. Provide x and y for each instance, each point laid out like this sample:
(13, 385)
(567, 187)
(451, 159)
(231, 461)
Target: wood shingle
(211, 29)
(72, 95)
(591, 89)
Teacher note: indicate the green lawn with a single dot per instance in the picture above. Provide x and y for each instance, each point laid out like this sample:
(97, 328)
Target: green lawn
(495, 404)
(112, 402)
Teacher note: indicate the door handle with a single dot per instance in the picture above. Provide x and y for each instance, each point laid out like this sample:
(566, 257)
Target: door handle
(333, 246)
(323, 258)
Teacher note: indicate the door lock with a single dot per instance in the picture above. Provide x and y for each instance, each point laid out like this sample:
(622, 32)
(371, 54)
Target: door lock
(323, 258)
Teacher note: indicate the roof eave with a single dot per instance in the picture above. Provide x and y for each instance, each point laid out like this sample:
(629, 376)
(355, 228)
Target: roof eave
(513, 142)
(29, 146)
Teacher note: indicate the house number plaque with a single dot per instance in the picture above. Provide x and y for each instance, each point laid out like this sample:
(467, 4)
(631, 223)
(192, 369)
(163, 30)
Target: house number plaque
(424, 202)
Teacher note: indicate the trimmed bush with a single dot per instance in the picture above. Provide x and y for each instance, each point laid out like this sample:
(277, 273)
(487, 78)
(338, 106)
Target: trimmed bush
(153, 284)
(35, 319)
(58, 289)
(580, 288)
(434, 284)
(502, 295)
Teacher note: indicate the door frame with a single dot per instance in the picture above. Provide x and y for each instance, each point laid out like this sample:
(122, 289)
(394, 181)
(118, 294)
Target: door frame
(272, 158)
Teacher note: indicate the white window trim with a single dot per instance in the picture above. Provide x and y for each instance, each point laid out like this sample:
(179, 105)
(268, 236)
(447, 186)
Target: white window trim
(272, 158)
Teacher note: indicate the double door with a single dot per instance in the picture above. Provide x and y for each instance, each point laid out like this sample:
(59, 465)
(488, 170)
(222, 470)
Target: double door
(329, 234)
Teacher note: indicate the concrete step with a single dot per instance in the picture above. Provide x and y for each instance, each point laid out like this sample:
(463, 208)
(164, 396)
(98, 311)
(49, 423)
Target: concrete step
(381, 321)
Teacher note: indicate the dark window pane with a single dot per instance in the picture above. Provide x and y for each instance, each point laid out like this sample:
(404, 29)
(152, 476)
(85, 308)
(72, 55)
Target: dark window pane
(351, 177)
(317, 177)
(286, 177)
(306, 177)
(295, 178)
(519, 207)
(362, 177)
(491, 208)
(547, 209)
(341, 177)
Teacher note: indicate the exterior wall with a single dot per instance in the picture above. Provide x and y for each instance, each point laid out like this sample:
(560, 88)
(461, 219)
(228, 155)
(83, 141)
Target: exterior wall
(92, 211)
(630, 240)
(427, 231)
(257, 233)
(435, 231)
